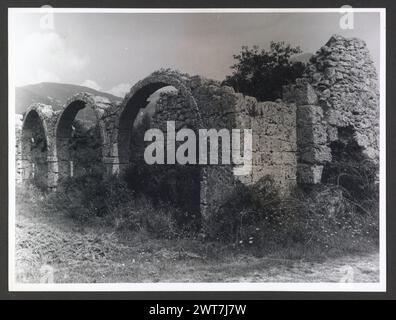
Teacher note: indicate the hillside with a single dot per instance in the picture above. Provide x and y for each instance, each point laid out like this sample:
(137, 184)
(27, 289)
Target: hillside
(55, 94)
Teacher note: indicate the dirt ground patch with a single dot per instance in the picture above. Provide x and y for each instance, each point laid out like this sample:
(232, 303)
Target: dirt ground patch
(50, 250)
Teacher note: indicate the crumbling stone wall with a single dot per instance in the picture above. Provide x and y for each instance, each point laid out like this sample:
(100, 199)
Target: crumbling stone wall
(135, 100)
(273, 133)
(312, 149)
(337, 102)
(66, 126)
(343, 76)
(273, 126)
(181, 184)
(217, 111)
(37, 146)
(293, 138)
(18, 147)
(45, 136)
(274, 141)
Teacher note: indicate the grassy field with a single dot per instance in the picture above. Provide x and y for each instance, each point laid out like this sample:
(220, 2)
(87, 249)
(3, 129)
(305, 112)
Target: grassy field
(52, 248)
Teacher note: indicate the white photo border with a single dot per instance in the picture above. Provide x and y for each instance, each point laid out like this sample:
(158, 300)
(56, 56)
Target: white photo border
(14, 286)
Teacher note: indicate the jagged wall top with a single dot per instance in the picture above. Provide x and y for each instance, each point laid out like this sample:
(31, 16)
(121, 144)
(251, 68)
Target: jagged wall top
(344, 77)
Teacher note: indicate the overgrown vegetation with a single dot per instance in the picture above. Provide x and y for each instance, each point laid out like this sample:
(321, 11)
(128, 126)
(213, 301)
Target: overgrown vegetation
(256, 218)
(262, 74)
(85, 148)
(322, 217)
(353, 173)
(178, 186)
(109, 201)
(163, 201)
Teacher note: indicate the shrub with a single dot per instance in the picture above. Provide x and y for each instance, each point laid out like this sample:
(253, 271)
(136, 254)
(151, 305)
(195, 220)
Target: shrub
(247, 207)
(39, 181)
(85, 148)
(257, 218)
(176, 186)
(341, 216)
(353, 172)
(29, 199)
(141, 215)
(262, 74)
(325, 216)
(88, 197)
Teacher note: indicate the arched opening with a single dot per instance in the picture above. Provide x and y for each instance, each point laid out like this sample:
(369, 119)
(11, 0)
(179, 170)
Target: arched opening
(78, 141)
(151, 106)
(146, 118)
(135, 113)
(34, 150)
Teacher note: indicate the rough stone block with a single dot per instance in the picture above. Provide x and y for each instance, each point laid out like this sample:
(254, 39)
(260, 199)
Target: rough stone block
(311, 135)
(276, 157)
(289, 119)
(332, 133)
(289, 158)
(315, 154)
(338, 118)
(309, 174)
(309, 114)
(300, 93)
(289, 146)
(271, 129)
(290, 172)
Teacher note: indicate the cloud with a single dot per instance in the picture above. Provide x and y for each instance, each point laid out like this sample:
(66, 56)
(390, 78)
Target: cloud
(120, 90)
(92, 84)
(46, 76)
(45, 56)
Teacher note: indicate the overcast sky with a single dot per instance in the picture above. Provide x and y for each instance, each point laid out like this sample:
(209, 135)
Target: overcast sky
(111, 52)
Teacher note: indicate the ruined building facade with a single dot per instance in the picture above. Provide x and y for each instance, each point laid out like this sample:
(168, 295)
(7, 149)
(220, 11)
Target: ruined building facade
(294, 138)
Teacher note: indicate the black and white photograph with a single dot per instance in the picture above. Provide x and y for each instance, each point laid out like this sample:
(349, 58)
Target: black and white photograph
(197, 149)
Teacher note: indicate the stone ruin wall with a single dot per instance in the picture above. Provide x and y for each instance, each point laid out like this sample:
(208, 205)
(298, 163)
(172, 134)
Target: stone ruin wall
(38, 122)
(18, 148)
(67, 122)
(216, 111)
(344, 78)
(274, 141)
(339, 91)
(292, 137)
(312, 150)
(273, 126)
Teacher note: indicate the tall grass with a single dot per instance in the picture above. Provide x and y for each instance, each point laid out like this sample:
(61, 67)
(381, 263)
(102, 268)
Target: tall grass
(255, 218)
(323, 216)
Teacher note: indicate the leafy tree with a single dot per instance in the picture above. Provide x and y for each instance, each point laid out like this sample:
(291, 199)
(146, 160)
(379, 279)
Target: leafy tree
(261, 73)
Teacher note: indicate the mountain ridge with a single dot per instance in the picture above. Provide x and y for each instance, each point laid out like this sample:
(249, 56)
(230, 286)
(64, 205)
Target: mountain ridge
(52, 93)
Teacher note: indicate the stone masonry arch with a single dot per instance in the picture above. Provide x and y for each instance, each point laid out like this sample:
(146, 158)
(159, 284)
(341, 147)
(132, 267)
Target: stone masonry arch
(64, 128)
(137, 99)
(38, 151)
